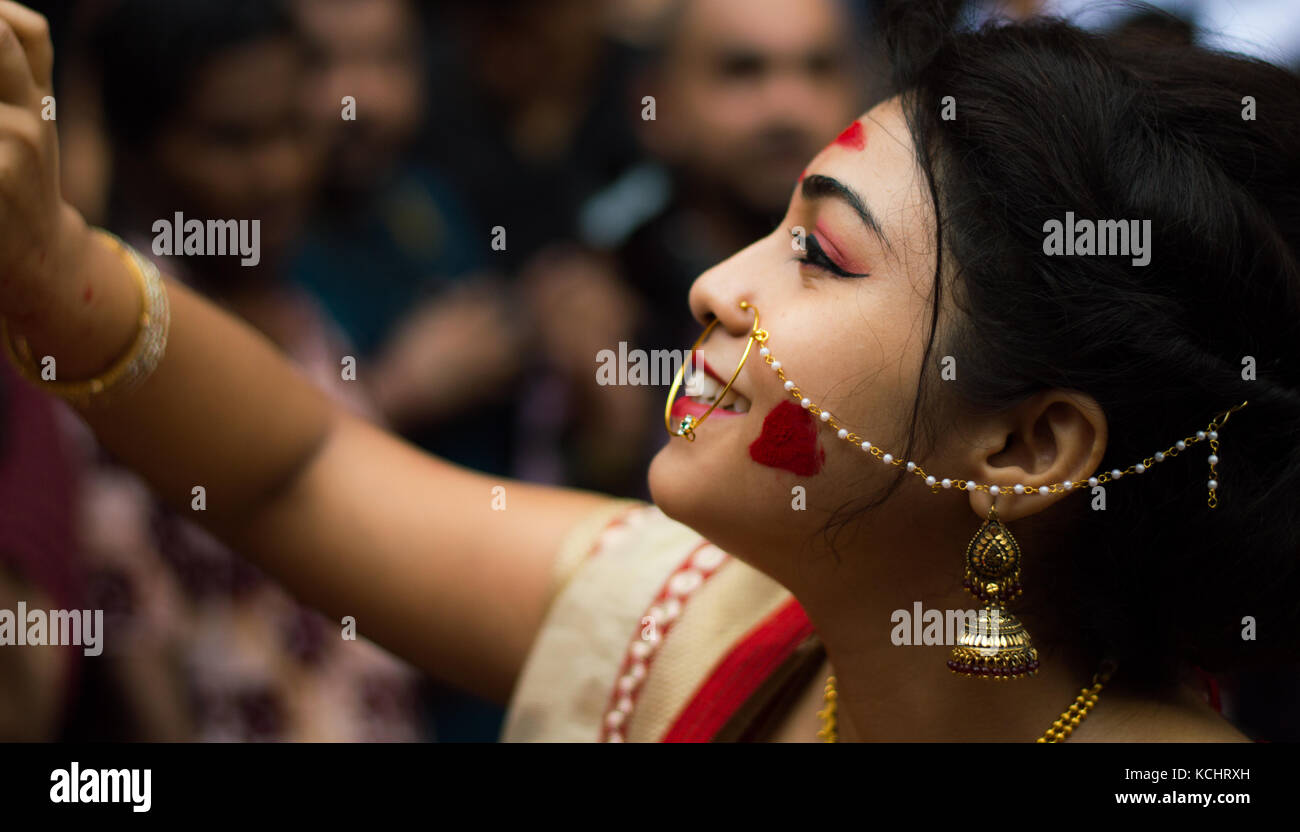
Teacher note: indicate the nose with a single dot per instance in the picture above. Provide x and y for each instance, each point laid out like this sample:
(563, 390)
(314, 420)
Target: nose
(789, 96)
(719, 292)
(281, 166)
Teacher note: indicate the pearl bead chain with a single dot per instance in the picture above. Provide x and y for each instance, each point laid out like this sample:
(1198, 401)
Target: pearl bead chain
(1211, 433)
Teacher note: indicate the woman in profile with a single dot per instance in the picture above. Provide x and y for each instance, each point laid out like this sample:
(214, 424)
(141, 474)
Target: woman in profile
(915, 362)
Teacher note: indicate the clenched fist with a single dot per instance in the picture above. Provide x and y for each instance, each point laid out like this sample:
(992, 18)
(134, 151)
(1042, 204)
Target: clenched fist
(56, 286)
(38, 233)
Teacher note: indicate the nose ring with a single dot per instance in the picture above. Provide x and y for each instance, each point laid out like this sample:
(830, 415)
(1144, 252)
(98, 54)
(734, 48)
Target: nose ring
(685, 429)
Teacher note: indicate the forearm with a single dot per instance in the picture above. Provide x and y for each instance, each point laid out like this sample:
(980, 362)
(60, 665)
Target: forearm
(423, 555)
(223, 410)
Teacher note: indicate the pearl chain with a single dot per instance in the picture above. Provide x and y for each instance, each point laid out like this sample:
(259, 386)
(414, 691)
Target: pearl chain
(1211, 433)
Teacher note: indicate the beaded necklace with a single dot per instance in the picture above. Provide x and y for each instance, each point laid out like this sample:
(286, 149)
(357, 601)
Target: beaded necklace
(1059, 732)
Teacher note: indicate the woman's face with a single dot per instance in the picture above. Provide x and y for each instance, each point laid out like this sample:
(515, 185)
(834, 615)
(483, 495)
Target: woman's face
(854, 345)
(239, 149)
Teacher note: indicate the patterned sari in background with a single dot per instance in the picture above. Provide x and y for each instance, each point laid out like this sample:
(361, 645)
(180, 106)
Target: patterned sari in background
(200, 645)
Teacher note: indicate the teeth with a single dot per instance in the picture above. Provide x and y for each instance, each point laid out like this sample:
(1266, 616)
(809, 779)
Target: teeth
(705, 389)
(701, 386)
(738, 403)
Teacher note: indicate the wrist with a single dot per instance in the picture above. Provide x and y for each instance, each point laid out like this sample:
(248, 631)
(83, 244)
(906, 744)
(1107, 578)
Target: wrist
(92, 313)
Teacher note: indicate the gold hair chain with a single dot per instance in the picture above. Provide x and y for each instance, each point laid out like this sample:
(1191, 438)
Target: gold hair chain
(1211, 433)
(686, 430)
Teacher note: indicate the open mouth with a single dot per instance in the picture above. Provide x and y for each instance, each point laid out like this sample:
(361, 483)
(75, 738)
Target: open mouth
(703, 386)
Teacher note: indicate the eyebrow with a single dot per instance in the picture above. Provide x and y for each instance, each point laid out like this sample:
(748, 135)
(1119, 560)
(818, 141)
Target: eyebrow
(817, 186)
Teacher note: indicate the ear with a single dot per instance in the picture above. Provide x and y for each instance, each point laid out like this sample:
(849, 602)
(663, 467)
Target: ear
(1053, 436)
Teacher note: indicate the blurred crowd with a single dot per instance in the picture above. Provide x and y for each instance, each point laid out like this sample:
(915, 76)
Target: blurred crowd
(470, 200)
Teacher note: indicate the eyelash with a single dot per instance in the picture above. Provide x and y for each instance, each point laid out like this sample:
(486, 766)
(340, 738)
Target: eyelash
(818, 259)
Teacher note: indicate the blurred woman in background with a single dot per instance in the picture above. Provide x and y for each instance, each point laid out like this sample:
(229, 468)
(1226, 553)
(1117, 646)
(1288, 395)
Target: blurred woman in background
(202, 646)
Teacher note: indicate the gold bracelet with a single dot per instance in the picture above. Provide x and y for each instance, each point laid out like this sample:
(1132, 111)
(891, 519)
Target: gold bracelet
(129, 370)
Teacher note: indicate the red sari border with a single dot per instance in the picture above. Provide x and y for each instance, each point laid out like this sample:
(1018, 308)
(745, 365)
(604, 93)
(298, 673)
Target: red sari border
(701, 563)
(740, 673)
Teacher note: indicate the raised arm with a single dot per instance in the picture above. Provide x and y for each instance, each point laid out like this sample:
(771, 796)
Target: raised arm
(349, 518)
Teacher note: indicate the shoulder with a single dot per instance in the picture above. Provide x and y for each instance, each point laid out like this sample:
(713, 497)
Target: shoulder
(607, 572)
(618, 532)
(1182, 716)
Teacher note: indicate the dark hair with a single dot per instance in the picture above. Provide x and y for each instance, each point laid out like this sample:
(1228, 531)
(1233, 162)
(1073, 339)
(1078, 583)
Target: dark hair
(150, 52)
(1050, 119)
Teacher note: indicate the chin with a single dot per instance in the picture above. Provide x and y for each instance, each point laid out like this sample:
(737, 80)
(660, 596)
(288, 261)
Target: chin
(679, 489)
(693, 498)
(666, 478)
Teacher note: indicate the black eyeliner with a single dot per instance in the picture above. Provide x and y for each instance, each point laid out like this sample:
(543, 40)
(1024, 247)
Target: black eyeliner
(816, 256)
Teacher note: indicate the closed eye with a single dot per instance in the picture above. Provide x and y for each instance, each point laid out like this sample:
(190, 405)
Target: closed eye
(816, 257)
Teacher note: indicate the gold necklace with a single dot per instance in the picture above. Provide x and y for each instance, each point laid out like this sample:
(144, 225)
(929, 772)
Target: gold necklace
(1059, 732)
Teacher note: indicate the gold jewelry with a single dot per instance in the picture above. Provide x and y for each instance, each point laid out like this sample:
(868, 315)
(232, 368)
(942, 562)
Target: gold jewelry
(686, 428)
(131, 368)
(1211, 432)
(998, 647)
(830, 701)
(1060, 731)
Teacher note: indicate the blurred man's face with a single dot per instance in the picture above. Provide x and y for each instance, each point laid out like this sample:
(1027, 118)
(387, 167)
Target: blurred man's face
(239, 149)
(751, 91)
(532, 50)
(369, 50)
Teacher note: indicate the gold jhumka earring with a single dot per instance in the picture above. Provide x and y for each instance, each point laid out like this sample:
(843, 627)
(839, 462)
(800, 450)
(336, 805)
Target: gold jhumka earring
(997, 645)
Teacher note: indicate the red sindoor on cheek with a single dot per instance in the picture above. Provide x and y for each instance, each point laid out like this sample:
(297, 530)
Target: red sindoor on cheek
(853, 137)
(789, 441)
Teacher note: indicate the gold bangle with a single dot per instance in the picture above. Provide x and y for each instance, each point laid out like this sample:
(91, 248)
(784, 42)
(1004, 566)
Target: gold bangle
(131, 368)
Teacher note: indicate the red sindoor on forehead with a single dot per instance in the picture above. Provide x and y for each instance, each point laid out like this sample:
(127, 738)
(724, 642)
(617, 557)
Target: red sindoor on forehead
(853, 137)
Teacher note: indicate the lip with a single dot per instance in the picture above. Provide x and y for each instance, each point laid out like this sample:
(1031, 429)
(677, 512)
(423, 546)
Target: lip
(704, 365)
(684, 405)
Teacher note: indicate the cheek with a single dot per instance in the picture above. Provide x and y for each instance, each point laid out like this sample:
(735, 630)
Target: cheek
(789, 441)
